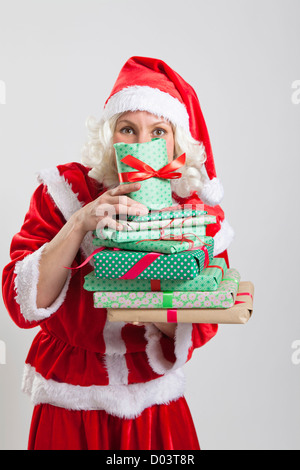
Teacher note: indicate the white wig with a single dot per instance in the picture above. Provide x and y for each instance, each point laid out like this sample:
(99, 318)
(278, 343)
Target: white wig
(98, 154)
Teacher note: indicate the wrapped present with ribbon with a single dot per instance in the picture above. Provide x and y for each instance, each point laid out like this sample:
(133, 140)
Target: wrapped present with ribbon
(120, 264)
(239, 313)
(208, 281)
(177, 233)
(198, 220)
(165, 245)
(223, 297)
(176, 213)
(147, 163)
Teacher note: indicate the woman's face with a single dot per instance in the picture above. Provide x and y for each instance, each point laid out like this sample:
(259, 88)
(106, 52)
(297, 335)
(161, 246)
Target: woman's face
(140, 126)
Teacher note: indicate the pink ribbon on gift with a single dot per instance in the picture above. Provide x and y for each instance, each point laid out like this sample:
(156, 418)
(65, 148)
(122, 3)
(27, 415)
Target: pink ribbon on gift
(101, 248)
(133, 272)
(241, 294)
(140, 266)
(172, 315)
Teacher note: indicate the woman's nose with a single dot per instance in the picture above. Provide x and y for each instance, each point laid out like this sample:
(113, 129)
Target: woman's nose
(143, 137)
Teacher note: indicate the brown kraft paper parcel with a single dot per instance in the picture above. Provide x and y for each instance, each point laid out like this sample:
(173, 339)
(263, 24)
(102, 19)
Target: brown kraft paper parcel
(240, 313)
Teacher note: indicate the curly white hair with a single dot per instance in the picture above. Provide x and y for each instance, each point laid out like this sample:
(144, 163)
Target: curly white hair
(98, 154)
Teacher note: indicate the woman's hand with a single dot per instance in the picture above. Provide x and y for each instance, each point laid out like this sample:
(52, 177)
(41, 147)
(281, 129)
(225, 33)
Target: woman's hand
(101, 212)
(62, 249)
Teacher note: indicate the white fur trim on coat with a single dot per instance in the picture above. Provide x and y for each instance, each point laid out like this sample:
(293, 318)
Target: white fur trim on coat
(183, 342)
(145, 98)
(124, 401)
(26, 282)
(115, 351)
(223, 238)
(66, 201)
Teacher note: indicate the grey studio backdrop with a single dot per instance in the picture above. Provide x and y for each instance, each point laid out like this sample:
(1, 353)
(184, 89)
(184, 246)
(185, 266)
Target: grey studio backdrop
(58, 63)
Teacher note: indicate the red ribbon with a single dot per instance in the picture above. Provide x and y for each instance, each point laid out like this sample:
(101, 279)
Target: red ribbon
(215, 266)
(146, 171)
(133, 272)
(172, 316)
(155, 285)
(101, 248)
(245, 293)
(242, 293)
(140, 266)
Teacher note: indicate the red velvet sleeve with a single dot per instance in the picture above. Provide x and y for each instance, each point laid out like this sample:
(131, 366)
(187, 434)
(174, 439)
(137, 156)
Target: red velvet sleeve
(42, 222)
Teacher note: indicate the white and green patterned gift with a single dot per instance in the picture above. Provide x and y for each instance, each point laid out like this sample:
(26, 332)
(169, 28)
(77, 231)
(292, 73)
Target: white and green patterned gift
(122, 236)
(208, 281)
(158, 246)
(175, 212)
(223, 297)
(155, 192)
(201, 220)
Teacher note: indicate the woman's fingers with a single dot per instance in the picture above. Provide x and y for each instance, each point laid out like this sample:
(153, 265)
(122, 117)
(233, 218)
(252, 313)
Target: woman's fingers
(124, 204)
(124, 189)
(109, 223)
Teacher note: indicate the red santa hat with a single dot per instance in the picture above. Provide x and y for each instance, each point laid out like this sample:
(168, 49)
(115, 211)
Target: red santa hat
(146, 84)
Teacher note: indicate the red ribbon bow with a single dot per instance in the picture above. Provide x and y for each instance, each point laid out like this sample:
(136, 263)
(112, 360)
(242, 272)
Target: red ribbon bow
(146, 171)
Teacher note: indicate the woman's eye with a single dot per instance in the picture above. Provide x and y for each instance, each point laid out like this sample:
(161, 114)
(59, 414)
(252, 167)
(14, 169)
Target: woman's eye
(126, 130)
(159, 132)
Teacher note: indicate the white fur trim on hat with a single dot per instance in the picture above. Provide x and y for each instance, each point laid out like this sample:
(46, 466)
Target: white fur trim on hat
(145, 98)
(212, 192)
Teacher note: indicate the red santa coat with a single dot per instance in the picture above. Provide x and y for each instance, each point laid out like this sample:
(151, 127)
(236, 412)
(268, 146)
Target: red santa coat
(78, 360)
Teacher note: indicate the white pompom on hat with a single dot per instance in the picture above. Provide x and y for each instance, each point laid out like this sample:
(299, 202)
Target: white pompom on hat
(146, 84)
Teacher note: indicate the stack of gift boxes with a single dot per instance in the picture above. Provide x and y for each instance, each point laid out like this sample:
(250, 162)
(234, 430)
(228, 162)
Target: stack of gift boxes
(161, 267)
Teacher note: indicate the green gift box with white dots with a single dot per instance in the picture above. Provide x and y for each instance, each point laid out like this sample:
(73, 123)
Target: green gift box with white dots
(155, 193)
(112, 264)
(223, 297)
(208, 281)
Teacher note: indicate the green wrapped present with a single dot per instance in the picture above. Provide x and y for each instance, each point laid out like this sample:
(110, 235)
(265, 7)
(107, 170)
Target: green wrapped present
(154, 171)
(223, 297)
(175, 212)
(152, 234)
(239, 313)
(189, 221)
(157, 246)
(120, 264)
(208, 281)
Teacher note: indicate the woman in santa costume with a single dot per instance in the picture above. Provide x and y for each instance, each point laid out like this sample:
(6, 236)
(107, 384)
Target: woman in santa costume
(95, 384)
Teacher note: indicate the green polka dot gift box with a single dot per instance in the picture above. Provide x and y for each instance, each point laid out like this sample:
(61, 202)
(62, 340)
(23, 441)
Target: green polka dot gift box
(121, 264)
(144, 163)
(223, 297)
(208, 281)
(158, 246)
